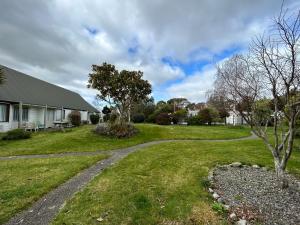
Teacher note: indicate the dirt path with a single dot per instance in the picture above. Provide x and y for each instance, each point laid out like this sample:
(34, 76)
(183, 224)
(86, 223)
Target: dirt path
(44, 210)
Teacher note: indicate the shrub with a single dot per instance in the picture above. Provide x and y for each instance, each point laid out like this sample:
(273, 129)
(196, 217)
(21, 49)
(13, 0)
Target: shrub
(163, 119)
(195, 120)
(151, 118)
(219, 208)
(209, 115)
(75, 118)
(118, 130)
(138, 118)
(113, 117)
(94, 118)
(16, 135)
(106, 117)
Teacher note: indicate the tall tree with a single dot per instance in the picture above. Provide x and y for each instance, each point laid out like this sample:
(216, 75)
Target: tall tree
(270, 70)
(120, 89)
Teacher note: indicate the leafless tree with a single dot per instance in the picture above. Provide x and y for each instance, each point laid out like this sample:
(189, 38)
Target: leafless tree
(271, 70)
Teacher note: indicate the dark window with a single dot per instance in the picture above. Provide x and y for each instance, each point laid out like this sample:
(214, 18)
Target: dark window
(25, 114)
(4, 112)
(16, 113)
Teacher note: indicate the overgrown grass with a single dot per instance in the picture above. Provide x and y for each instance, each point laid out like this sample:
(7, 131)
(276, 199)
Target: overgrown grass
(162, 184)
(83, 139)
(23, 181)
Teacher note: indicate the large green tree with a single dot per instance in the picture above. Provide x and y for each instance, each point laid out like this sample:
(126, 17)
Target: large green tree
(119, 89)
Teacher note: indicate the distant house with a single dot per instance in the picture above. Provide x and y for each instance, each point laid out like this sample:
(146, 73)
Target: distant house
(183, 104)
(25, 99)
(235, 118)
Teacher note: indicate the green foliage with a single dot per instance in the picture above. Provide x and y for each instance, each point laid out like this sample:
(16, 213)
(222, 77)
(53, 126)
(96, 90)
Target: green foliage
(179, 115)
(113, 117)
(16, 134)
(163, 119)
(205, 183)
(75, 118)
(262, 111)
(195, 120)
(219, 208)
(138, 118)
(209, 115)
(94, 118)
(122, 89)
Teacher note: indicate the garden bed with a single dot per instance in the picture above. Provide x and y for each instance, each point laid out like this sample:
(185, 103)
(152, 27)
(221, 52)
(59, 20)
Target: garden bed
(253, 194)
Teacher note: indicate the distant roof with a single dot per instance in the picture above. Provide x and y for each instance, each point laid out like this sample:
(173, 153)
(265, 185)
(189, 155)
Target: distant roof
(19, 87)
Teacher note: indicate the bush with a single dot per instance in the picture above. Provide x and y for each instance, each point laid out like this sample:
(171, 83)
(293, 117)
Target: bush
(106, 117)
(138, 118)
(94, 118)
(75, 118)
(16, 134)
(113, 117)
(195, 120)
(118, 130)
(163, 119)
(151, 118)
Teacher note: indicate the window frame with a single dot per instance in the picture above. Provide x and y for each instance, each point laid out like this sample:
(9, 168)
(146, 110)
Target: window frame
(7, 112)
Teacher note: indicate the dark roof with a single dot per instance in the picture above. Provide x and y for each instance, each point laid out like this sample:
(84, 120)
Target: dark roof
(19, 87)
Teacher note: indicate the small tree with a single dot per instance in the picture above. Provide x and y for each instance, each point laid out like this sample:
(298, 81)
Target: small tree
(121, 89)
(94, 118)
(271, 70)
(208, 115)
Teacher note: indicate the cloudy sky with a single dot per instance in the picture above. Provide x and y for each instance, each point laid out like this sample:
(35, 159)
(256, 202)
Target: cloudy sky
(175, 43)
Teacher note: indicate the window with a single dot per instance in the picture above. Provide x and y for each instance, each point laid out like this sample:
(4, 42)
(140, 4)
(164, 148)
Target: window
(16, 113)
(25, 114)
(50, 115)
(4, 112)
(58, 115)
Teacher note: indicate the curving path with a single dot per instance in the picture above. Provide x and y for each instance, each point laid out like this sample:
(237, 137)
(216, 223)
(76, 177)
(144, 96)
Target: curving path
(44, 210)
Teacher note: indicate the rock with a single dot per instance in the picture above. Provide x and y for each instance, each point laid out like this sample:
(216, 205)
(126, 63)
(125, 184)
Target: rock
(220, 200)
(264, 168)
(210, 190)
(241, 222)
(100, 219)
(236, 164)
(256, 166)
(227, 207)
(232, 216)
(216, 196)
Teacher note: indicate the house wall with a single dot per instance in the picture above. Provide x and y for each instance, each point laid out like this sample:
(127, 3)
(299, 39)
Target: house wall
(36, 115)
(235, 119)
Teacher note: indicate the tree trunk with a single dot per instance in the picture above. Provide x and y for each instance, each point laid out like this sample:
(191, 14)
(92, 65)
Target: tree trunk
(283, 182)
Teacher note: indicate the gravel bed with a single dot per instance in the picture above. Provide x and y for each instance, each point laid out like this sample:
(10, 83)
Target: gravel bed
(257, 190)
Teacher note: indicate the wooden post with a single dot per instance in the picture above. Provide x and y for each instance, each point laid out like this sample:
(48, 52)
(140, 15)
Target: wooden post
(45, 116)
(20, 114)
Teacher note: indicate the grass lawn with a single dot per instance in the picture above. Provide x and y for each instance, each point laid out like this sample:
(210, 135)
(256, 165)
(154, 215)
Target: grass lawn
(83, 139)
(163, 184)
(24, 181)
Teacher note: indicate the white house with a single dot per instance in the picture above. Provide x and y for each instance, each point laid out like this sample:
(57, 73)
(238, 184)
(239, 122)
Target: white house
(235, 118)
(25, 99)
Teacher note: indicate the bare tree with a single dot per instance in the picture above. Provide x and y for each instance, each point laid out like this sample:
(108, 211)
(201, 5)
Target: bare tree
(270, 71)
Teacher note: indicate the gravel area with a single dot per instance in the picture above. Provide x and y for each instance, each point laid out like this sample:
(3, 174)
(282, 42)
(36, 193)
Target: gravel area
(254, 192)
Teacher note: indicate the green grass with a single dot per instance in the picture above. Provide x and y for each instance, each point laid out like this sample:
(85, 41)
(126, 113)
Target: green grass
(83, 139)
(23, 181)
(162, 184)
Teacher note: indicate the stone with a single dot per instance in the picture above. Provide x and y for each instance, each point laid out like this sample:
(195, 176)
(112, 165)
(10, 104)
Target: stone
(264, 168)
(215, 195)
(100, 219)
(210, 190)
(241, 222)
(232, 216)
(256, 166)
(220, 200)
(227, 207)
(236, 164)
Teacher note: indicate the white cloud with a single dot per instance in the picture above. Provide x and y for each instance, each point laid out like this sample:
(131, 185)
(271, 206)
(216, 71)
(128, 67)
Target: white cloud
(194, 87)
(49, 39)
